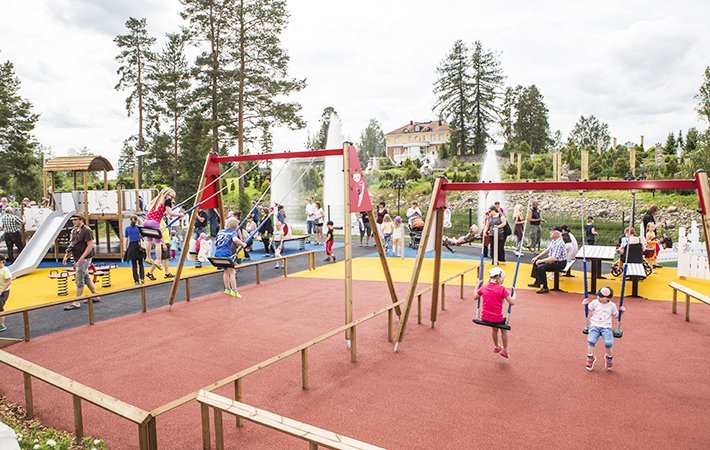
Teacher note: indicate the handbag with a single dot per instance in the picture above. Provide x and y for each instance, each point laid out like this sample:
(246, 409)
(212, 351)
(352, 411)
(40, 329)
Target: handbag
(507, 231)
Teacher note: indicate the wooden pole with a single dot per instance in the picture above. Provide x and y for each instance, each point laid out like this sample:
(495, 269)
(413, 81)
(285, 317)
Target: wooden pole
(418, 262)
(347, 227)
(632, 160)
(218, 429)
(188, 233)
(105, 180)
(383, 261)
(238, 397)
(701, 178)
(496, 244)
(29, 403)
(78, 420)
(206, 435)
(304, 368)
(26, 321)
(120, 218)
(86, 198)
(438, 239)
(584, 176)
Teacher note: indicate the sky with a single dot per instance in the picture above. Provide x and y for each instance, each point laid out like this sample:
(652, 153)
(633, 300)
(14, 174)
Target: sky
(636, 65)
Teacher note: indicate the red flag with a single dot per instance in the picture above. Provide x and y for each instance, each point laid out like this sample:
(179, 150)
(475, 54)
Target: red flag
(359, 197)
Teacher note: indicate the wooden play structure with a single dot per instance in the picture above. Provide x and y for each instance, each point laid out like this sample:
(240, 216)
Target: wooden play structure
(435, 219)
(103, 210)
(355, 195)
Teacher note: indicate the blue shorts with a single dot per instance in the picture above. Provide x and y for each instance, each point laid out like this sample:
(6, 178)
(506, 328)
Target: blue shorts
(606, 333)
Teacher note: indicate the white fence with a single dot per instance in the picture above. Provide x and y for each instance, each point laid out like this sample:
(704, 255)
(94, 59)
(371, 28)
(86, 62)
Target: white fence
(692, 256)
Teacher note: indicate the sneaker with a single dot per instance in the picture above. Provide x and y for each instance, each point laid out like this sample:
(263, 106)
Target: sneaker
(608, 362)
(3, 328)
(150, 276)
(327, 258)
(228, 291)
(236, 294)
(542, 291)
(497, 349)
(142, 280)
(590, 362)
(333, 257)
(504, 353)
(169, 275)
(137, 283)
(277, 266)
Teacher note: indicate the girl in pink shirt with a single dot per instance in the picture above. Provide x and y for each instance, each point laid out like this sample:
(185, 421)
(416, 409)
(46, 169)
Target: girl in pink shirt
(493, 293)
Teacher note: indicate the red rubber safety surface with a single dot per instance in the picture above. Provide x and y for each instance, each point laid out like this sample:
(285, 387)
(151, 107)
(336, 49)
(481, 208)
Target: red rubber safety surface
(444, 389)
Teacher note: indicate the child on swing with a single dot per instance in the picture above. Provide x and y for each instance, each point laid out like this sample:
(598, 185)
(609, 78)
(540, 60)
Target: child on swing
(602, 311)
(493, 294)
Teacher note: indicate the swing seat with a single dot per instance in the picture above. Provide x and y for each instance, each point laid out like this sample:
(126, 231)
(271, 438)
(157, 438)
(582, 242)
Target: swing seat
(618, 332)
(485, 323)
(150, 232)
(221, 262)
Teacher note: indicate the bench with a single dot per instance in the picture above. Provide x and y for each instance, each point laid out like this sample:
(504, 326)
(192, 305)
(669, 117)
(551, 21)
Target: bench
(313, 435)
(635, 272)
(688, 293)
(302, 238)
(568, 267)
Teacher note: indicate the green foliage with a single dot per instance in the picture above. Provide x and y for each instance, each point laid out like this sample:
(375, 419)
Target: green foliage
(18, 149)
(412, 173)
(442, 151)
(319, 141)
(699, 158)
(372, 142)
(244, 205)
(196, 144)
(312, 180)
(265, 184)
(488, 80)
(524, 118)
(589, 131)
(703, 97)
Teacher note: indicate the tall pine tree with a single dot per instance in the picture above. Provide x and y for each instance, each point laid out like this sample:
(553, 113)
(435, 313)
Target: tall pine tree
(531, 122)
(136, 57)
(18, 148)
(454, 93)
(372, 142)
(487, 81)
(261, 72)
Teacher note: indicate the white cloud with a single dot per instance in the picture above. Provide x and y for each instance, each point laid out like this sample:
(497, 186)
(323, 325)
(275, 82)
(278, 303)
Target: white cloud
(634, 64)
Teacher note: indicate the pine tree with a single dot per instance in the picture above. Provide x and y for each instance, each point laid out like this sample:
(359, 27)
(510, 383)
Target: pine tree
(18, 148)
(171, 86)
(372, 142)
(508, 113)
(320, 140)
(670, 147)
(126, 161)
(210, 23)
(454, 91)
(196, 141)
(261, 72)
(135, 57)
(531, 123)
(487, 84)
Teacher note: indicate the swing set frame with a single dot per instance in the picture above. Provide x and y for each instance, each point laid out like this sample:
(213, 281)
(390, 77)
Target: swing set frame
(435, 219)
(211, 197)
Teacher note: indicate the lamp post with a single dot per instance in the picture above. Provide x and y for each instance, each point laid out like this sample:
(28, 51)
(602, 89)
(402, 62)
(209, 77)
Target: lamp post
(398, 183)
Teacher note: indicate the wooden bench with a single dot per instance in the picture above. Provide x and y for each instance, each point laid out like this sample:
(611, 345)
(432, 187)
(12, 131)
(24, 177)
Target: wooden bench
(688, 293)
(313, 435)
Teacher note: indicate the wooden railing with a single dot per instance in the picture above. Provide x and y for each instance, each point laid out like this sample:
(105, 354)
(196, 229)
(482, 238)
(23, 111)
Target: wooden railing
(79, 393)
(144, 307)
(313, 435)
(688, 294)
(419, 294)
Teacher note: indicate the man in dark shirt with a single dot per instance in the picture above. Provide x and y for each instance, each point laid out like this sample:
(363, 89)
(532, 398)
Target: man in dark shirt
(81, 248)
(200, 223)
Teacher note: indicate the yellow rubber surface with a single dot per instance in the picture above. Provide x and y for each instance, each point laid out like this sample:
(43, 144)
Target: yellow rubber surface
(37, 288)
(655, 287)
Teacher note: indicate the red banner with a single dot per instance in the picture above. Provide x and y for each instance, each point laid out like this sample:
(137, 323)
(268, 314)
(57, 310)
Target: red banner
(359, 197)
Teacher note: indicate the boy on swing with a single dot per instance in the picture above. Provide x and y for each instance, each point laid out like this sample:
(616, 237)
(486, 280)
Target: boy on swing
(602, 311)
(493, 294)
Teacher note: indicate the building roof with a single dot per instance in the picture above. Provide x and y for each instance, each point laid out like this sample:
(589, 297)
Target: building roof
(424, 127)
(92, 163)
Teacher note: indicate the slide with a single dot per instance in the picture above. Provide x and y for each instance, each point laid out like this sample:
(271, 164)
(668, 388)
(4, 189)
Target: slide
(39, 244)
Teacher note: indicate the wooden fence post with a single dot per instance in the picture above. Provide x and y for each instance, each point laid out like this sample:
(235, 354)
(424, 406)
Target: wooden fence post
(461, 293)
(206, 438)
(218, 429)
(353, 345)
(187, 289)
(304, 368)
(258, 274)
(78, 420)
(443, 296)
(419, 309)
(91, 311)
(144, 305)
(29, 403)
(238, 397)
(26, 320)
(389, 325)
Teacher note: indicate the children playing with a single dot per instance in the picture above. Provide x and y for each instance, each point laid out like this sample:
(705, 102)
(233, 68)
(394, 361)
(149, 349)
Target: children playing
(203, 247)
(387, 230)
(329, 239)
(278, 241)
(493, 294)
(224, 248)
(602, 310)
(174, 244)
(398, 238)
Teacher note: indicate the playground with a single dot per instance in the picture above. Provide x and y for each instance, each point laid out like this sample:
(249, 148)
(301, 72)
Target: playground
(366, 352)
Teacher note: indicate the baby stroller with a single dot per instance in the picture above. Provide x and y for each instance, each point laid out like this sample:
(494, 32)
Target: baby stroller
(415, 232)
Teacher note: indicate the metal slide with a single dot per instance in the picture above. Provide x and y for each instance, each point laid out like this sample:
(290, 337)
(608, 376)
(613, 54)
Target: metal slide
(39, 244)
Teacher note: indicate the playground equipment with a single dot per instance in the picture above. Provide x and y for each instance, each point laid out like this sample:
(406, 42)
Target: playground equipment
(435, 219)
(355, 199)
(105, 210)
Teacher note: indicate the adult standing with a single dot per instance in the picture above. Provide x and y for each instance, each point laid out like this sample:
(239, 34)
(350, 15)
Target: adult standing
(519, 220)
(267, 231)
(496, 219)
(535, 220)
(81, 248)
(201, 220)
(498, 207)
(13, 232)
(214, 221)
(365, 228)
(650, 216)
(134, 251)
(320, 215)
(310, 219)
(381, 213)
(552, 259)
(413, 212)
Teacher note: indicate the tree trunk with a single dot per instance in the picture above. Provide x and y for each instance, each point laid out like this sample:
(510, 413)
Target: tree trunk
(214, 47)
(175, 148)
(240, 114)
(139, 178)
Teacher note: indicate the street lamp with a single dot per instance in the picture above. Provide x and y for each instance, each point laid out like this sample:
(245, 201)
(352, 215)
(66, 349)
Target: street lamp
(398, 183)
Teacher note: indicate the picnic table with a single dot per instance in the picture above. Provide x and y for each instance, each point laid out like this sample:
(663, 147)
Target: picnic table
(596, 254)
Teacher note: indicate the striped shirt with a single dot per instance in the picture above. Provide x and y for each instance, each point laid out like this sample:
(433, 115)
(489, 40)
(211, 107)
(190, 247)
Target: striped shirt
(11, 223)
(557, 249)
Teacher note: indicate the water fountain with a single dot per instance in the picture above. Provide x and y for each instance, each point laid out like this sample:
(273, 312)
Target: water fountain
(333, 173)
(490, 172)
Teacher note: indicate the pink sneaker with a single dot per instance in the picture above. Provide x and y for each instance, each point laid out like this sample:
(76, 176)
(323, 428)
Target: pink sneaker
(504, 353)
(497, 349)
(590, 362)
(609, 363)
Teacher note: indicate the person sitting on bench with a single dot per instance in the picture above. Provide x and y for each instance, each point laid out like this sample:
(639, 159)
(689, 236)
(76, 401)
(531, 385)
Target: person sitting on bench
(552, 259)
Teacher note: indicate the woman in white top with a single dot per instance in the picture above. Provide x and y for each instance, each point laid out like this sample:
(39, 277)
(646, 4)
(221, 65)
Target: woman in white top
(319, 223)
